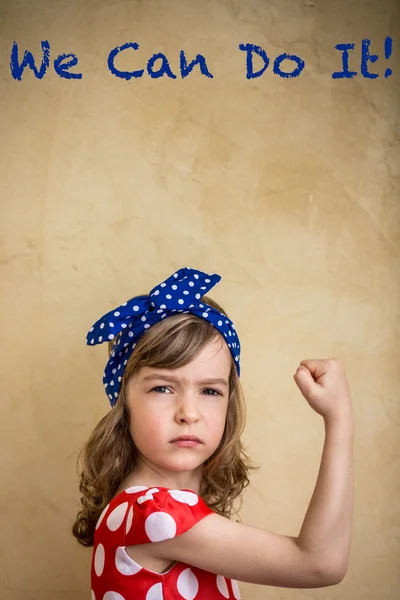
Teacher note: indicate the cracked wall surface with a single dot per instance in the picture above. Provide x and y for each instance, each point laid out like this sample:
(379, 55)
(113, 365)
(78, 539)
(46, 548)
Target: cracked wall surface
(288, 188)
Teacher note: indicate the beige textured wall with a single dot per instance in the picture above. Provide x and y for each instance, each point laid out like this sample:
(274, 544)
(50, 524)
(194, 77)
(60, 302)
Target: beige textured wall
(287, 188)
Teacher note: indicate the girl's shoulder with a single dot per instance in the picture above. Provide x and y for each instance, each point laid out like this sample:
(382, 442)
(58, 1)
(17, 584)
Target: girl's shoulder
(140, 515)
(160, 513)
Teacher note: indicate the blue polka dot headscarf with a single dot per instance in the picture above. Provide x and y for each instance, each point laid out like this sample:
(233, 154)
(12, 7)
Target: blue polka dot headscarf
(181, 292)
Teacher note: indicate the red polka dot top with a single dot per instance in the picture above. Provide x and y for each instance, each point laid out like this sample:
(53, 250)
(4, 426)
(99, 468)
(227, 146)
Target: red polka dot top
(140, 515)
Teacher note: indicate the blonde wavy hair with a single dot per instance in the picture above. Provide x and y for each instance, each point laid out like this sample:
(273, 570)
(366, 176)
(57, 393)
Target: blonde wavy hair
(109, 455)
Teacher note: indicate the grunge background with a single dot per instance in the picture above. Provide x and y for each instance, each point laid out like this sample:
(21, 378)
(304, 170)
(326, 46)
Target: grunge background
(288, 188)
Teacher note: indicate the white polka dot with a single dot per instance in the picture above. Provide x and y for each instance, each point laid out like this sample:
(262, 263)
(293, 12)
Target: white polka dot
(163, 306)
(123, 325)
(180, 301)
(92, 329)
(174, 287)
(198, 296)
(148, 495)
(235, 588)
(147, 326)
(156, 292)
(189, 498)
(111, 335)
(117, 516)
(155, 592)
(205, 315)
(195, 276)
(191, 283)
(220, 323)
(187, 584)
(175, 275)
(124, 563)
(100, 339)
(207, 280)
(117, 313)
(92, 341)
(113, 596)
(103, 513)
(222, 586)
(135, 308)
(136, 488)
(163, 284)
(129, 520)
(160, 526)
(99, 560)
(102, 326)
(143, 318)
(185, 292)
(168, 296)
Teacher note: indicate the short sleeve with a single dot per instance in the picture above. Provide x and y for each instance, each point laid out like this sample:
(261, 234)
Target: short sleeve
(161, 514)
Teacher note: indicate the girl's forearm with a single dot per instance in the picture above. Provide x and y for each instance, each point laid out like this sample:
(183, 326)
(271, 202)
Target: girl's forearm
(327, 527)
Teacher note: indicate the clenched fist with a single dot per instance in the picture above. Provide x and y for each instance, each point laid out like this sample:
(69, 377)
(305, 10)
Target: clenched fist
(324, 385)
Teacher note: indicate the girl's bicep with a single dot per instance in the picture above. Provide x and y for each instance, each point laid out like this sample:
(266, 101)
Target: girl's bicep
(244, 553)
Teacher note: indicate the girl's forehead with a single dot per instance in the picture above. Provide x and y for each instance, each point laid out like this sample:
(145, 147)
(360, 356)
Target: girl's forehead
(207, 365)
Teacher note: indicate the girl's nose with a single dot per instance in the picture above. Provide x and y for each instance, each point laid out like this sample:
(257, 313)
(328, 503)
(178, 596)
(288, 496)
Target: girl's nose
(187, 408)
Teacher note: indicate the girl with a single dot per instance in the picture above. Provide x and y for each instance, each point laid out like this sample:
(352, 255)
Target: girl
(162, 469)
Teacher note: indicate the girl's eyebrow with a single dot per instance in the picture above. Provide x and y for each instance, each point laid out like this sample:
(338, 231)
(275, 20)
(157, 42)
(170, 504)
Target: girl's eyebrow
(176, 380)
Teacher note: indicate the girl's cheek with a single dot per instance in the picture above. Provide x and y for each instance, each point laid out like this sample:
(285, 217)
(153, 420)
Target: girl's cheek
(156, 421)
(147, 423)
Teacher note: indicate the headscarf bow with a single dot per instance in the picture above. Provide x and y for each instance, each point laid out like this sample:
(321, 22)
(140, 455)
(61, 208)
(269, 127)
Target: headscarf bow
(181, 292)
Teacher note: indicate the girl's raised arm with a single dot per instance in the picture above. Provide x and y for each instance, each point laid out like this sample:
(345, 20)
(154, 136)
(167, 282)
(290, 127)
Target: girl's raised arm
(319, 556)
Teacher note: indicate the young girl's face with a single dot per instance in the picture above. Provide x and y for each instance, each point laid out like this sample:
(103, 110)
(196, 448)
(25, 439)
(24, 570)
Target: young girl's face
(167, 403)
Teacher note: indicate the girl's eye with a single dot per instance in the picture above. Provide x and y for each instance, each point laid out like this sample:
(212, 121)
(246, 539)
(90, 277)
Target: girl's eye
(217, 393)
(159, 387)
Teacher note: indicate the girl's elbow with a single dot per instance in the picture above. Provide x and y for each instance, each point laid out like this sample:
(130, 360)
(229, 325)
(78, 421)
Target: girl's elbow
(334, 575)
(342, 573)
